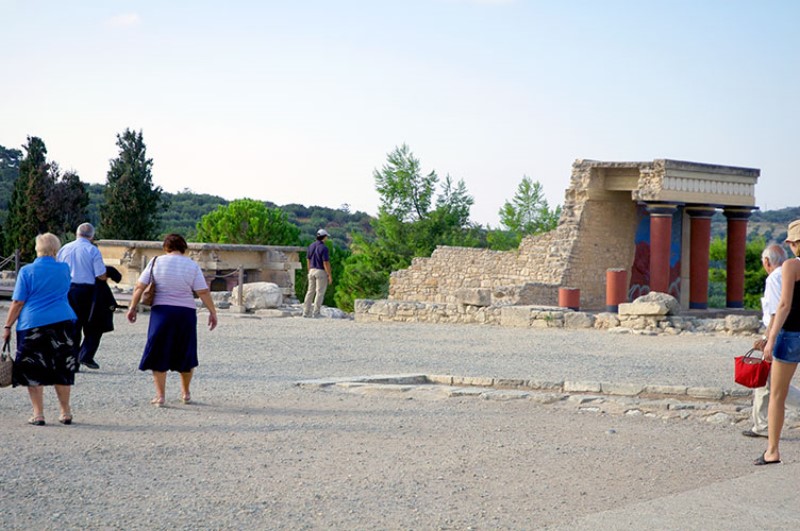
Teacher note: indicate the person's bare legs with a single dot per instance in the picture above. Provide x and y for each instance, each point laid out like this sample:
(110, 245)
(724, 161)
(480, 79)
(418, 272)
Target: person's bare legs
(186, 379)
(63, 392)
(780, 376)
(160, 381)
(36, 393)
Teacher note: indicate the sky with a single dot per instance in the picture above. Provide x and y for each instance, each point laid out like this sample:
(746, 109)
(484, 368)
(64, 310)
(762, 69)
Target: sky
(300, 101)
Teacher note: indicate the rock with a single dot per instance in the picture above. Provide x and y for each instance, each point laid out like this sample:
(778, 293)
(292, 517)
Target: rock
(259, 296)
(738, 324)
(719, 418)
(578, 320)
(606, 320)
(333, 313)
(672, 304)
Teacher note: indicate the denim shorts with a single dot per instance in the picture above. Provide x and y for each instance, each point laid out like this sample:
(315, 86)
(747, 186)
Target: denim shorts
(787, 347)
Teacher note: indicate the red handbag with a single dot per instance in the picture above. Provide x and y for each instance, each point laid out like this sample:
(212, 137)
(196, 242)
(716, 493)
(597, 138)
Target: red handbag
(749, 371)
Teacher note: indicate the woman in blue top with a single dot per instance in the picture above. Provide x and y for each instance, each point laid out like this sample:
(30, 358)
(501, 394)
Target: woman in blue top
(45, 325)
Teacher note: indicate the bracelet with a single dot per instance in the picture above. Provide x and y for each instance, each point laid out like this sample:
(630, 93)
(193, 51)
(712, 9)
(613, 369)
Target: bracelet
(7, 327)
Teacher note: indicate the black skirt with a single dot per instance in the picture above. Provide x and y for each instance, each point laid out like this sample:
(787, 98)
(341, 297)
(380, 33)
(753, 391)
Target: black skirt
(46, 355)
(171, 340)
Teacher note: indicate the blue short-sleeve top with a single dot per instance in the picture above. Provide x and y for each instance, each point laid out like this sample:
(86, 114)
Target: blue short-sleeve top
(43, 287)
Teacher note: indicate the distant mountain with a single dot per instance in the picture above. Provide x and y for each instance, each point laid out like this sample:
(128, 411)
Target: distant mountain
(769, 224)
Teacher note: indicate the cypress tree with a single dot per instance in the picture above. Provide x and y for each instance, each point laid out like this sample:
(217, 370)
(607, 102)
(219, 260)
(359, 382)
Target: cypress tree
(132, 204)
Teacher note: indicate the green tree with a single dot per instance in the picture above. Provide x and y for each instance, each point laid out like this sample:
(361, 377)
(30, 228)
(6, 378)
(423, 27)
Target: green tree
(73, 200)
(30, 210)
(132, 204)
(412, 221)
(527, 213)
(9, 171)
(247, 221)
(754, 274)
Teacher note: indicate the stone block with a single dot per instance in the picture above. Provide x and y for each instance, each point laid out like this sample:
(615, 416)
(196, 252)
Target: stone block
(578, 320)
(509, 382)
(519, 316)
(665, 389)
(473, 381)
(440, 379)
(474, 297)
(622, 389)
(582, 387)
(714, 393)
(643, 308)
(544, 384)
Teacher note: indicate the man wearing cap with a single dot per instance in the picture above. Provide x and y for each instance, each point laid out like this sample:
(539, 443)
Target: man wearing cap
(319, 274)
(86, 266)
(772, 259)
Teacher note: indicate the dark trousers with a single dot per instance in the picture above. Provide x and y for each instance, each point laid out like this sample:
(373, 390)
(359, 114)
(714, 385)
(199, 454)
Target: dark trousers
(81, 297)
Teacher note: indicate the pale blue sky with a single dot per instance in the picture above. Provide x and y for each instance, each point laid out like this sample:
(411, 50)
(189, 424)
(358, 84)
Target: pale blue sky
(299, 101)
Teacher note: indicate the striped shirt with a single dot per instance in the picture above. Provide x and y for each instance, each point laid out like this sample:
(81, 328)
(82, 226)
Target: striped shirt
(175, 276)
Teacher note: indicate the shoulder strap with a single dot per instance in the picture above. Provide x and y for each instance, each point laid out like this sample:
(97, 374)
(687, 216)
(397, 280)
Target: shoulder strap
(153, 270)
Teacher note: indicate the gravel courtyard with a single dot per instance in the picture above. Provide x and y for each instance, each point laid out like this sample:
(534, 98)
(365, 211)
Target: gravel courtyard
(254, 451)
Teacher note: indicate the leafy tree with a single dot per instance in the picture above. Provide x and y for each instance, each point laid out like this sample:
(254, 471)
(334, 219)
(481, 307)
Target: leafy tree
(754, 274)
(73, 199)
(412, 221)
(405, 193)
(527, 213)
(9, 171)
(30, 212)
(132, 204)
(247, 221)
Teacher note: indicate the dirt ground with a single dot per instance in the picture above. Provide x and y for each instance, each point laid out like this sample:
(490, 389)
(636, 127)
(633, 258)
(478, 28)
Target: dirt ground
(255, 451)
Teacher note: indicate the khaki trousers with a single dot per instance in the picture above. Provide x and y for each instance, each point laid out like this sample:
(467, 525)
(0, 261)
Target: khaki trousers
(761, 406)
(317, 285)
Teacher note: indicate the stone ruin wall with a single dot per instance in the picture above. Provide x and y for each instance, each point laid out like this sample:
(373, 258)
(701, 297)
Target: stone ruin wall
(595, 232)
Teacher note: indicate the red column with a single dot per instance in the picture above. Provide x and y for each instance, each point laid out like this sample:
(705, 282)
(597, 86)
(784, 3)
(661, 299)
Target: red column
(660, 240)
(737, 239)
(700, 234)
(616, 288)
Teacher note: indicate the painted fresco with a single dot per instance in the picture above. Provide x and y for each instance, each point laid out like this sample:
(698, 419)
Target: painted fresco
(640, 273)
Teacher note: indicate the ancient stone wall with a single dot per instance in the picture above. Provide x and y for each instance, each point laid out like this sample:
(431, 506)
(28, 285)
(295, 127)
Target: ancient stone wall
(595, 232)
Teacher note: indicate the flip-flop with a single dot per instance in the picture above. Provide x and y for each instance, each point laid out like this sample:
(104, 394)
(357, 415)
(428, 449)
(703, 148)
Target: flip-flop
(762, 461)
(186, 399)
(158, 401)
(36, 421)
(65, 419)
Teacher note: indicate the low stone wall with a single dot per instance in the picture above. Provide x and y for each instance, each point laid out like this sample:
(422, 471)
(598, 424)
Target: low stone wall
(535, 316)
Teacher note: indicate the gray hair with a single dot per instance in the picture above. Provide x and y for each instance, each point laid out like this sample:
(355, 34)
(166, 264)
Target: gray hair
(775, 254)
(47, 244)
(85, 230)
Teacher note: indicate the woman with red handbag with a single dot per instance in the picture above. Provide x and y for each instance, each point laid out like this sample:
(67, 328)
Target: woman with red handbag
(783, 346)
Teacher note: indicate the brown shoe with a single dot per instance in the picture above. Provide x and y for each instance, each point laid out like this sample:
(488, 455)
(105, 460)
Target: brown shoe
(751, 433)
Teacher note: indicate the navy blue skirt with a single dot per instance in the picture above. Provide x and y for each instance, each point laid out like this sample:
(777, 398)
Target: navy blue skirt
(171, 340)
(46, 355)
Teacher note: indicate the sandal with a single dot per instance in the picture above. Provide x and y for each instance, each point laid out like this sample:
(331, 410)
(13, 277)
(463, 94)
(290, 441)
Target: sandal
(158, 401)
(36, 420)
(65, 419)
(186, 399)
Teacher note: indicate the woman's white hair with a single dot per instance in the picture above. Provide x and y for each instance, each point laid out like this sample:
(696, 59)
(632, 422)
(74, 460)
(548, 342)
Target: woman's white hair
(47, 244)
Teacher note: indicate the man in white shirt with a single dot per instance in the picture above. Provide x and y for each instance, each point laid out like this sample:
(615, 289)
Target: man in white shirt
(86, 266)
(771, 258)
